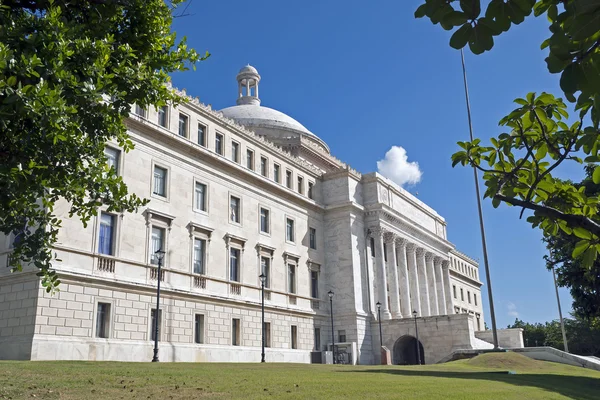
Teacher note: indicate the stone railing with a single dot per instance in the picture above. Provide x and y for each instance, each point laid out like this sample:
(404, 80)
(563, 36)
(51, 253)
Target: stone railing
(154, 274)
(200, 282)
(315, 304)
(292, 300)
(235, 289)
(106, 265)
(267, 295)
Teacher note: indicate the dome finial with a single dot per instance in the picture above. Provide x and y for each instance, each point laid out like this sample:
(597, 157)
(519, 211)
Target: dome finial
(248, 79)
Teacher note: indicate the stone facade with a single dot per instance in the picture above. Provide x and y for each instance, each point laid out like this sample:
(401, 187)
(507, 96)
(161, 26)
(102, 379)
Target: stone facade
(224, 201)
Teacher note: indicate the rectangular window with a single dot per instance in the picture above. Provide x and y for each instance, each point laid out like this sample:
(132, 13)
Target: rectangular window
(153, 324)
(317, 339)
(342, 336)
(469, 297)
(310, 190)
(478, 324)
(235, 152)
(475, 298)
(264, 220)
(250, 159)
(289, 230)
(202, 135)
(291, 278)
(314, 284)
(158, 243)
(454, 290)
(107, 234)
(199, 251)
(102, 320)
(140, 111)
(267, 334)
(162, 116)
(265, 266)
(183, 125)
(462, 295)
(234, 265)
(200, 194)
(234, 206)
(160, 182)
(288, 178)
(294, 337)
(235, 332)
(112, 158)
(372, 244)
(300, 185)
(219, 144)
(277, 173)
(312, 238)
(199, 328)
(263, 166)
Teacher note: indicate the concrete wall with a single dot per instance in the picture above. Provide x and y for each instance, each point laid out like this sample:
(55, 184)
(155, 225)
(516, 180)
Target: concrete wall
(507, 338)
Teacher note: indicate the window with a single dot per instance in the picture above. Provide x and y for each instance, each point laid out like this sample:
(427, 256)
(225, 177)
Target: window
(469, 297)
(263, 166)
(267, 334)
(107, 234)
(162, 116)
(234, 264)
(219, 144)
(462, 295)
(291, 278)
(288, 178)
(183, 125)
(200, 194)
(300, 185)
(314, 284)
(202, 135)
(199, 251)
(294, 337)
(478, 323)
(234, 205)
(341, 336)
(264, 220)
(102, 320)
(372, 244)
(276, 173)
(475, 298)
(289, 230)
(317, 339)
(310, 190)
(235, 332)
(153, 324)
(265, 266)
(250, 159)
(199, 328)
(235, 152)
(454, 290)
(112, 158)
(158, 243)
(312, 238)
(140, 111)
(160, 182)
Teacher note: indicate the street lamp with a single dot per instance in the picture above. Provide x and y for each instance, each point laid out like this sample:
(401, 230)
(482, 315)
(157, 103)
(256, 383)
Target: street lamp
(379, 319)
(330, 294)
(263, 279)
(417, 342)
(160, 254)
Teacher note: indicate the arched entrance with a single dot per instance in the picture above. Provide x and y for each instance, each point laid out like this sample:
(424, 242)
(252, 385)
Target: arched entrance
(405, 351)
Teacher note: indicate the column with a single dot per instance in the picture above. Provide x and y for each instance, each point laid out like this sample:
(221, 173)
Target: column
(413, 278)
(433, 298)
(439, 283)
(403, 278)
(423, 285)
(447, 287)
(381, 295)
(390, 240)
(247, 87)
(372, 280)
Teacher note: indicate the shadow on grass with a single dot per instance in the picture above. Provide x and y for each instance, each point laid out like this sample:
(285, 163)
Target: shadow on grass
(574, 387)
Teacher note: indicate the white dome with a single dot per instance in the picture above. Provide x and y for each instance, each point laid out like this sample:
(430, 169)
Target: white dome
(264, 117)
(248, 68)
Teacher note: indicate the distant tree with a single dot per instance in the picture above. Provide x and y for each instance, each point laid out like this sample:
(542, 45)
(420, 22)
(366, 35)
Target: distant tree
(519, 166)
(69, 73)
(533, 334)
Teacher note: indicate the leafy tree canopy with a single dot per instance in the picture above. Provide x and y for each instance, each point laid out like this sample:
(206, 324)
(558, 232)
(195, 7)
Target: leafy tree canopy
(519, 165)
(69, 72)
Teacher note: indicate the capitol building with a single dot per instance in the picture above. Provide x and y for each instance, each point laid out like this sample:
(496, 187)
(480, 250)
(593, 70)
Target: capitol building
(235, 193)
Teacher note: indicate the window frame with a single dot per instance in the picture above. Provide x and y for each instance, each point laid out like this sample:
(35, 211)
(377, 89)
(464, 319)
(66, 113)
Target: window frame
(202, 339)
(314, 288)
(109, 326)
(235, 155)
(292, 279)
(204, 254)
(268, 210)
(221, 141)
(167, 185)
(119, 158)
(289, 183)
(186, 128)
(151, 250)
(293, 239)
(312, 238)
(239, 263)
(294, 337)
(311, 190)
(269, 275)
(115, 228)
(239, 218)
(316, 338)
(264, 171)
(206, 197)
(204, 134)
(267, 334)
(277, 173)
(166, 110)
(161, 322)
(300, 184)
(250, 161)
(236, 336)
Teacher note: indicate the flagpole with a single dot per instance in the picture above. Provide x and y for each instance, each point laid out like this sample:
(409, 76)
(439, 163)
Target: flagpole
(483, 241)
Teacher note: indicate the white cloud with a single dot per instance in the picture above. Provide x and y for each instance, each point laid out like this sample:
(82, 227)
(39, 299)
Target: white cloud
(512, 310)
(395, 166)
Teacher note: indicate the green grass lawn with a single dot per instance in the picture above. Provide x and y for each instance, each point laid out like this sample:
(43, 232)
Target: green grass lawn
(484, 377)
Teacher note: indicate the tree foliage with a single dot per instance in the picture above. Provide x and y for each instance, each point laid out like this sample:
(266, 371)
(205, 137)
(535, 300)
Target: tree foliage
(520, 165)
(69, 72)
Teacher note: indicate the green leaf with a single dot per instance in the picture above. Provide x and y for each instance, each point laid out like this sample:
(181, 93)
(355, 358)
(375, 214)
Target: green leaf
(455, 18)
(569, 78)
(590, 256)
(471, 7)
(580, 247)
(582, 233)
(461, 37)
(596, 175)
(421, 11)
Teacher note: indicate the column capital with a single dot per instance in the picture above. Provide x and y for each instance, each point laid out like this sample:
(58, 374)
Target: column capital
(429, 256)
(420, 251)
(438, 260)
(445, 264)
(411, 247)
(377, 231)
(401, 242)
(389, 237)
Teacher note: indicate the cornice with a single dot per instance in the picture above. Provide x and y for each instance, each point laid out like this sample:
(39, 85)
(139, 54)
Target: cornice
(465, 257)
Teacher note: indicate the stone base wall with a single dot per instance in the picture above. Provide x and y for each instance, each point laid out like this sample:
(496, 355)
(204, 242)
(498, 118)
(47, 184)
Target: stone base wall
(507, 338)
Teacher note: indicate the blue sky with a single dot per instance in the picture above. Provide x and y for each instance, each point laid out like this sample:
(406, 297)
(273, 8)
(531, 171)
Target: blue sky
(367, 76)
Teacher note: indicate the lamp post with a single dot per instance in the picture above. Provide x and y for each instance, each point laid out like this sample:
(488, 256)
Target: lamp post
(160, 254)
(330, 294)
(263, 279)
(379, 319)
(417, 342)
